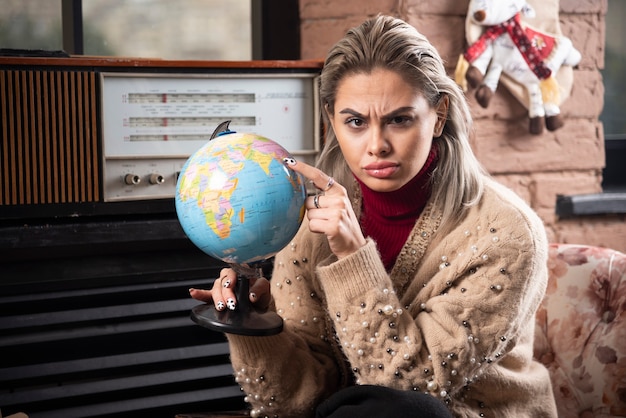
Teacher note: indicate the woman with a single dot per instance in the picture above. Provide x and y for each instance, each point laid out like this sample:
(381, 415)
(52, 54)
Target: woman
(413, 272)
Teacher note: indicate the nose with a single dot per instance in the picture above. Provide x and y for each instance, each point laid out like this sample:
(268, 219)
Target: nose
(378, 143)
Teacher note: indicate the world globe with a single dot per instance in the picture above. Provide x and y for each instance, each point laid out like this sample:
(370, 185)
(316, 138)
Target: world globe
(237, 201)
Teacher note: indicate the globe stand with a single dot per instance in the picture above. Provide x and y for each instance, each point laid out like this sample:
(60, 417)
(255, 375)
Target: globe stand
(245, 319)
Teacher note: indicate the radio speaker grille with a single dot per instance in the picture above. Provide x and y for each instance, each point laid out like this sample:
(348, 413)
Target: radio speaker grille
(49, 151)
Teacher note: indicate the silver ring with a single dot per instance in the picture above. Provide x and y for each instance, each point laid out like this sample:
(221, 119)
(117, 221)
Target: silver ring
(316, 201)
(330, 183)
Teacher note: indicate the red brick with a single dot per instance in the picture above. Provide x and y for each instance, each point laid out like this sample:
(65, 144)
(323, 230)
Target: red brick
(584, 6)
(449, 43)
(547, 186)
(323, 9)
(508, 148)
(586, 97)
(318, 36)
(439, 7)
(587, 33)
(602, 231)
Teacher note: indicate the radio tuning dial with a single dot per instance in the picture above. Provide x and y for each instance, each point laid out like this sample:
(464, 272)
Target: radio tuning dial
(132, 179)
(156, 178)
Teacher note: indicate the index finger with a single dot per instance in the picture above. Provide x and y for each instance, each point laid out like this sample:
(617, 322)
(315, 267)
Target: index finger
(321, 180)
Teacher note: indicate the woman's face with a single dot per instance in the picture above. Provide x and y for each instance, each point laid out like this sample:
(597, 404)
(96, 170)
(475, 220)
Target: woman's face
(385, 128)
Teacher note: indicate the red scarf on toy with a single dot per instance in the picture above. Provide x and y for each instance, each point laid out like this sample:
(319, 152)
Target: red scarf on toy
(389, 217)
(520, 38)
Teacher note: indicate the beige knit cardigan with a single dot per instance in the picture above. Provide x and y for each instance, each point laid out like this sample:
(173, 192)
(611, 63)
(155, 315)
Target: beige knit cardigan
(454, 318)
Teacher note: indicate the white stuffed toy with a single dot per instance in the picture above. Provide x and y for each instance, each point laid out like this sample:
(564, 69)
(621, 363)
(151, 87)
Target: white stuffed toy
(500, 43)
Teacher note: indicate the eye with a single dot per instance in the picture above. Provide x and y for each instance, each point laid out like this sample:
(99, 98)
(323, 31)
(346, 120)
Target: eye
(355, 122)
(399, 120)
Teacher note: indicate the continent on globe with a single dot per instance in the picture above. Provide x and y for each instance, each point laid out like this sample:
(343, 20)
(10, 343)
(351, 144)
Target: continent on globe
(237, 201)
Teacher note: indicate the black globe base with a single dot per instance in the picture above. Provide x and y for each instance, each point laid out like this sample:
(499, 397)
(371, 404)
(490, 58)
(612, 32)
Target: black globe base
(240, 322)
(245, 319)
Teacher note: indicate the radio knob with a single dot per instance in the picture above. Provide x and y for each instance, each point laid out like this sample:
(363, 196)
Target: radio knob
(156, 178)
(132, 179)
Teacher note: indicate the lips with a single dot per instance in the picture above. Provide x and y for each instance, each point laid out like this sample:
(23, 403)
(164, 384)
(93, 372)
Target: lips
(381, 170)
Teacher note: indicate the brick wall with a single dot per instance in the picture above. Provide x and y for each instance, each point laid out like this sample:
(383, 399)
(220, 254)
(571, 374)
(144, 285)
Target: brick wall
(568, 161)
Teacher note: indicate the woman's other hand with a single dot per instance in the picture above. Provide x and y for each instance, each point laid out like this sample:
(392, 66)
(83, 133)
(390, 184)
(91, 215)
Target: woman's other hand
(223, 292)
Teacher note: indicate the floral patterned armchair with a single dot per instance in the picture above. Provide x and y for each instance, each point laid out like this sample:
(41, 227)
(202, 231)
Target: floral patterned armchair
(581, 330)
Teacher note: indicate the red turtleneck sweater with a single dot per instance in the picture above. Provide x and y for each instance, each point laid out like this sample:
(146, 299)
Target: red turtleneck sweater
(389, 217)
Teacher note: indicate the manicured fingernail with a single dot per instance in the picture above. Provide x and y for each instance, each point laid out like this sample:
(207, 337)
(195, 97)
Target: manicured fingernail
(220, 306)
(289, 161)
(226, 283)
(191, 289)
(253, 297)
(231, 304)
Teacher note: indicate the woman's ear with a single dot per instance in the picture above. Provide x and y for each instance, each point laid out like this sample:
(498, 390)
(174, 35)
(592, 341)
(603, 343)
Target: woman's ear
(442, 115)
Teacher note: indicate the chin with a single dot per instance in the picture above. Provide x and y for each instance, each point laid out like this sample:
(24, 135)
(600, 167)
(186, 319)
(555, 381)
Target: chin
(383, 186)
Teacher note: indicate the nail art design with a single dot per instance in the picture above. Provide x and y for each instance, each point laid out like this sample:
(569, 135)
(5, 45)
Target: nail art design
(226, 283)
(220, 306)
(289, 161)
(253, 297)
(231, 304)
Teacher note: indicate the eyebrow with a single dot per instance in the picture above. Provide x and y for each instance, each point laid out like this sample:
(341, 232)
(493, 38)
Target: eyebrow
(389, 115)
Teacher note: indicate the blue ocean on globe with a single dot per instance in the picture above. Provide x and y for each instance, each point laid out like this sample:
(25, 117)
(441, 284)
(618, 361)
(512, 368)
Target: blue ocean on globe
(237, 201)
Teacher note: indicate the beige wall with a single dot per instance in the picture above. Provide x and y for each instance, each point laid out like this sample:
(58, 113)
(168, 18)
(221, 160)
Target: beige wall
(568, 161)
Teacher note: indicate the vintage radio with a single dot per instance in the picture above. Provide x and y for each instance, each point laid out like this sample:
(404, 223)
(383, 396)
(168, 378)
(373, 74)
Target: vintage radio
(85, 136)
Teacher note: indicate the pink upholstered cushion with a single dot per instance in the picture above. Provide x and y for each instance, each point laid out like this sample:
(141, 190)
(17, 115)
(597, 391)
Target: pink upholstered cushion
(581, 330)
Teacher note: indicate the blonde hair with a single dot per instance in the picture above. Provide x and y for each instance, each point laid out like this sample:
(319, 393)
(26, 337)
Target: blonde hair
(390, 43)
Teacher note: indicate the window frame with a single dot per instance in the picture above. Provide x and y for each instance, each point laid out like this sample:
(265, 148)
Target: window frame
(275, 29)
